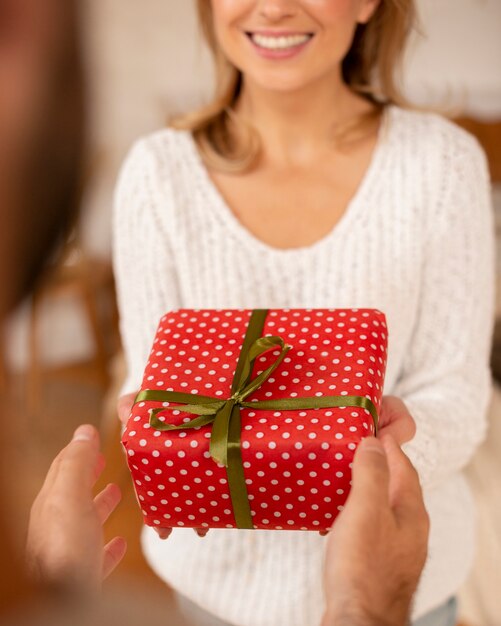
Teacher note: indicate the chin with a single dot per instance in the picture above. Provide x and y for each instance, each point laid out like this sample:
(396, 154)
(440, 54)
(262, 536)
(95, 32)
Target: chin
(280, 82)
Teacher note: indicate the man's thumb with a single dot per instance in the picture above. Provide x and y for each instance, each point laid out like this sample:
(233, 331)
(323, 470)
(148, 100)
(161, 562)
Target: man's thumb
(370, 470)
(85, 432)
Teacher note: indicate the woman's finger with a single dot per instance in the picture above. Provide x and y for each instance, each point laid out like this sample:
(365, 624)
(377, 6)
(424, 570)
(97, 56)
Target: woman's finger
(163, 533)
(106, 501)
(113, 552)
(396, 420)
(402, 430)
(124, 406)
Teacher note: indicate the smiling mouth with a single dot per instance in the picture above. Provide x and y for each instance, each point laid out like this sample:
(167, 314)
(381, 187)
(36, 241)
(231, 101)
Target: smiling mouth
(279, 42)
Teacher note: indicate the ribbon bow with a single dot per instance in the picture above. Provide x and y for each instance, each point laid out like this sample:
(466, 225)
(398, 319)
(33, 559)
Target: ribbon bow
(225, 414)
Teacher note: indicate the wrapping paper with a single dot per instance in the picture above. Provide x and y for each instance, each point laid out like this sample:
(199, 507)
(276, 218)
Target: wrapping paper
(296, 463)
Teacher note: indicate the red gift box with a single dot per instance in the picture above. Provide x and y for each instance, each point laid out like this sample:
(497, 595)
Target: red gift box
(219, 436)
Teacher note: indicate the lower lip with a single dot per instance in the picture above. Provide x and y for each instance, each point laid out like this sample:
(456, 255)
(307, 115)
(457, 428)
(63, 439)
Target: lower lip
(285, 53)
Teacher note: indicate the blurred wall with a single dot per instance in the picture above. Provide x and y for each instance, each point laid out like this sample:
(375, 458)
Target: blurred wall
(146, 61)
(457, 59)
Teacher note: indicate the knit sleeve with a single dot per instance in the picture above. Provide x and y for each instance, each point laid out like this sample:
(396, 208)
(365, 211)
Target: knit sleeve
(142, 256)
(445, 381)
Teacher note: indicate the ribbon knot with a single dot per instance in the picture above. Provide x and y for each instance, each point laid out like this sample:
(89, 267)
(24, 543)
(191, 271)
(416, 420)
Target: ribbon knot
(219, 412)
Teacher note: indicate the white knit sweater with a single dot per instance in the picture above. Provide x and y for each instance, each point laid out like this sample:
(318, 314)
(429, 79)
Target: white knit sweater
(416, 242)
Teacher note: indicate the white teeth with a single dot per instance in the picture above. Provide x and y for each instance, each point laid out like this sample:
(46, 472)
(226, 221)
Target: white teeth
(279, 43)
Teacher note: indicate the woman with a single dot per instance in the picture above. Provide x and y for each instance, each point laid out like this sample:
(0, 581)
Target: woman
(65, 552)
(302, 184)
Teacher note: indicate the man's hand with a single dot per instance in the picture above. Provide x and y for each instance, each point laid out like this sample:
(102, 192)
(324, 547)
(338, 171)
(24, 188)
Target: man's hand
(396, 420)
(65, 535)
(377, 547)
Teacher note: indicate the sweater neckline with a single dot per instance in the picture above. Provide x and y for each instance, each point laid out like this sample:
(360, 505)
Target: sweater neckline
(357, 203)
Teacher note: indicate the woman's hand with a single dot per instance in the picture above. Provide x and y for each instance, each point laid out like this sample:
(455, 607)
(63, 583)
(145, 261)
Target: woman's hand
(395, 420)
(65, 535)
(124, 407)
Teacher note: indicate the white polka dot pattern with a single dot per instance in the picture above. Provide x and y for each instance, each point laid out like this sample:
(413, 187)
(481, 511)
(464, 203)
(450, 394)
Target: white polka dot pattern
(297, 464)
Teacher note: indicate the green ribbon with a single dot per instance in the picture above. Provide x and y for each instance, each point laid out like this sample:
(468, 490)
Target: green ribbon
(225, 414)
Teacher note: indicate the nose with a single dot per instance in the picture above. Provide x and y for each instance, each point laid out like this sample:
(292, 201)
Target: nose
(276, 10)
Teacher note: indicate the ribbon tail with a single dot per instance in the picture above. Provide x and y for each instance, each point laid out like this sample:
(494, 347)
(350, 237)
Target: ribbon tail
(197, 409)
(158, 424)
(218, 447)
(235, 473)
(316, 402)
(159, 395)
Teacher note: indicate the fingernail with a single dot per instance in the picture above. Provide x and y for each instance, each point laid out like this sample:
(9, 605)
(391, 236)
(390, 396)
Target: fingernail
(372, 444)
(84, 433)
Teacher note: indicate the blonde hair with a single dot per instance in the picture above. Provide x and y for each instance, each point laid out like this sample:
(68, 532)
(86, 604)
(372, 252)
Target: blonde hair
(369, 68)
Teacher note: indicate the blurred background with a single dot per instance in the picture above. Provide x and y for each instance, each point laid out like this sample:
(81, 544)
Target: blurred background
(62, 350)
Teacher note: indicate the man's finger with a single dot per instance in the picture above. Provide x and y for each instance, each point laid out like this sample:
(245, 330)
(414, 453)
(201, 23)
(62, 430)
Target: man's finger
(370, 472)
(99, 467)
(75, 470)
(82, 433)
(53, 470)
(406, 496)
(113, 552)
(106, 501)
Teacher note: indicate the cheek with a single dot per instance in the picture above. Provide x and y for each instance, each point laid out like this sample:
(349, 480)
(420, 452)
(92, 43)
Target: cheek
(333, 13)
(227, 13)
(228, 18)
(337, 21)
